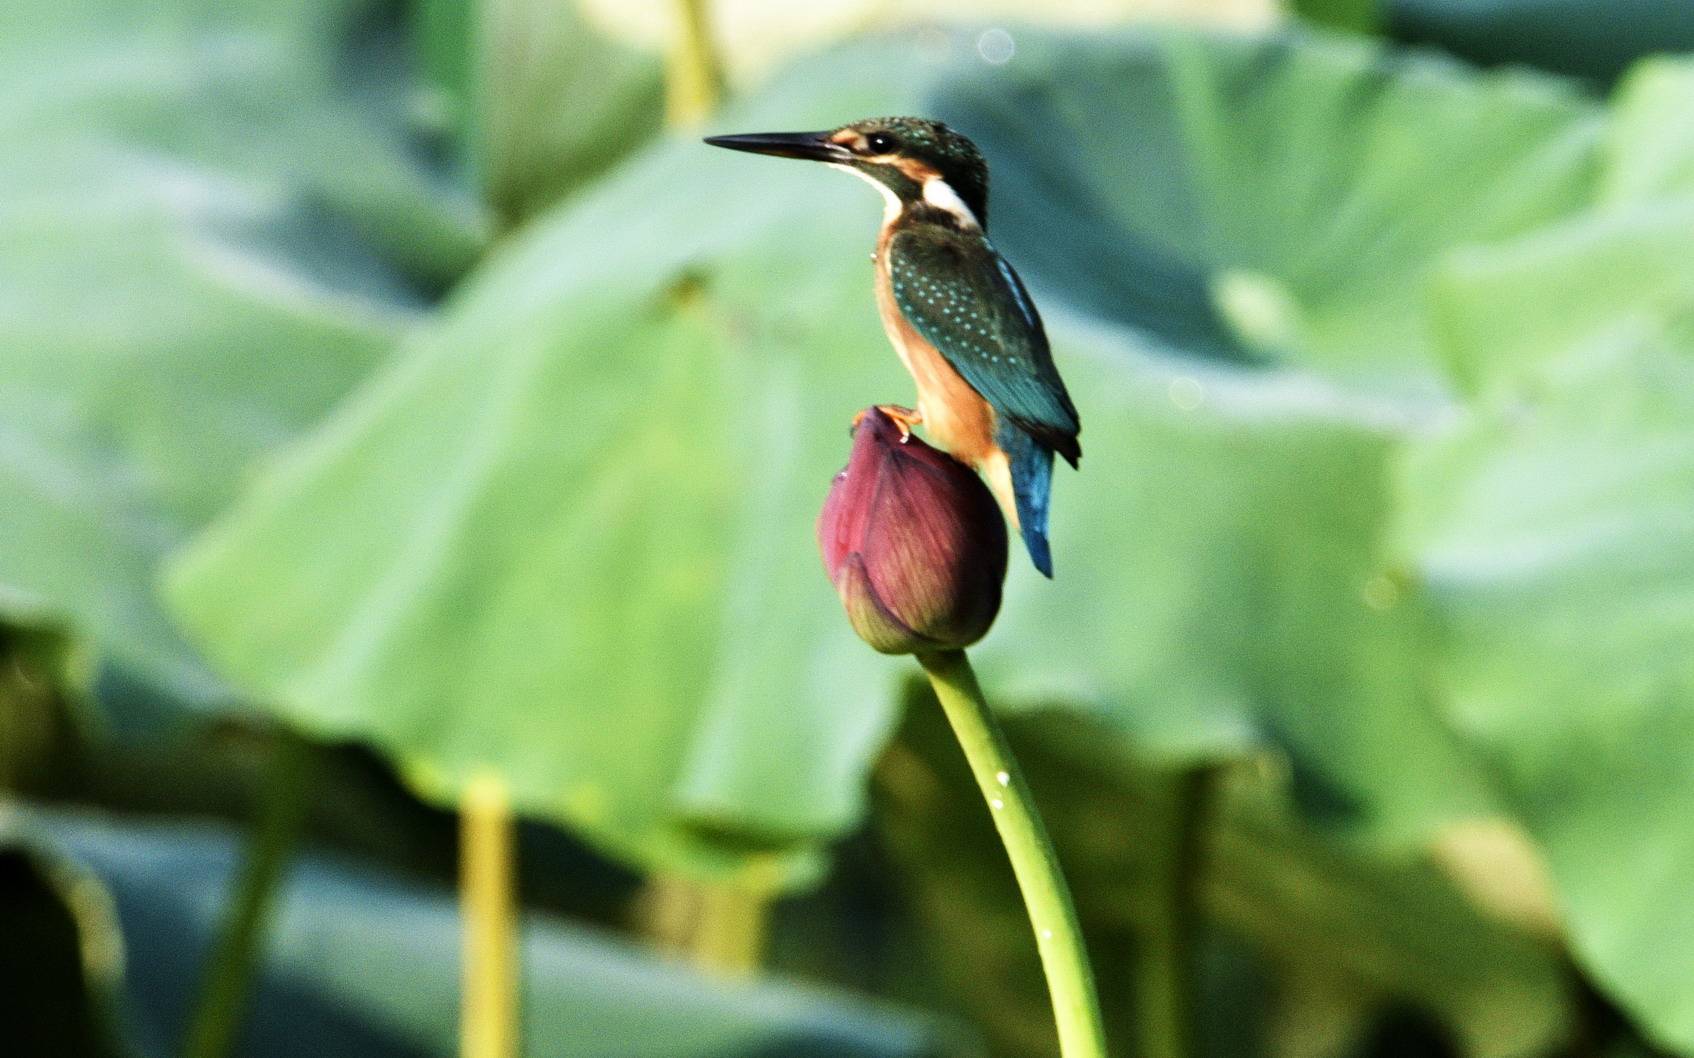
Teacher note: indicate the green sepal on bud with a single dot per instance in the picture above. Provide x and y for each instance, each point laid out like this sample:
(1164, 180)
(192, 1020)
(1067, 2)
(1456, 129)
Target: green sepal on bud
(913, 542)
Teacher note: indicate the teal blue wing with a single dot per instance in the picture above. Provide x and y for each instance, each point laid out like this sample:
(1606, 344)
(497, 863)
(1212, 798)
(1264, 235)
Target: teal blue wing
(966, 301)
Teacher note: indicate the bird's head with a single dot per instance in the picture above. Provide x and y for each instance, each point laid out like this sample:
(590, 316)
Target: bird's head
(912, 160)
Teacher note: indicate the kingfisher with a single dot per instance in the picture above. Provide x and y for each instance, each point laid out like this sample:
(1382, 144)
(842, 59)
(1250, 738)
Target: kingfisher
(955, 311)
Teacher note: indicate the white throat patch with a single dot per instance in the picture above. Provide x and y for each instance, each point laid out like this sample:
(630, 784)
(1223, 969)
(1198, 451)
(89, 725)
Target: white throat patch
(890, 201)
(940, 194)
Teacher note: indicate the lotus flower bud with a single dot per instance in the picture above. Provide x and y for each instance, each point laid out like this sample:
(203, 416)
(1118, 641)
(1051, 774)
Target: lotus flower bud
(914, 543)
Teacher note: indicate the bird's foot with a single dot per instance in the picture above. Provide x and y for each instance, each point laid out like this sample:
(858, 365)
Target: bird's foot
(905, 418)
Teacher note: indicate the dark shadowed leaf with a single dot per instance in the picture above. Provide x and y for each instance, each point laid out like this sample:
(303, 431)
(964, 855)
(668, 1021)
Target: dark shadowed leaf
(361, 963)
(1594, 41)
(61, 966)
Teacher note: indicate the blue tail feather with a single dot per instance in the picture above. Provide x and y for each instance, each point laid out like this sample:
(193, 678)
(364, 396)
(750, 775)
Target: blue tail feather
(1031, 464)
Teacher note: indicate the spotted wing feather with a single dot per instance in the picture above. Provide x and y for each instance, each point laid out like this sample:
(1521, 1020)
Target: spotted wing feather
(962, 296)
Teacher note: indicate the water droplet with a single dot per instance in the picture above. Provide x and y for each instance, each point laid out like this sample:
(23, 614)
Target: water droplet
(996, 46)
(1002, 778)
(996, 804)
(1186, 392)
(1381, 593)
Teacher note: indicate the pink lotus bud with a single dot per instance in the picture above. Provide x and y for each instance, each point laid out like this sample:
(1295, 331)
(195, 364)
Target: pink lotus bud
(914, 543)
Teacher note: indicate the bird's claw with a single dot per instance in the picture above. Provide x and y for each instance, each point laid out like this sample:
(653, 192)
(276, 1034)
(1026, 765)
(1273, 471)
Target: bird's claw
(905, 418)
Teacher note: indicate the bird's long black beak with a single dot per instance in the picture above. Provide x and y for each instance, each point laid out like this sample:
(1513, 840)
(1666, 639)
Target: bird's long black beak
(813, 146)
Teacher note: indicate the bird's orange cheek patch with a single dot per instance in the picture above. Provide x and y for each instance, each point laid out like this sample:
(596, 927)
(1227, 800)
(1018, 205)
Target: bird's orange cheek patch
(916, 171)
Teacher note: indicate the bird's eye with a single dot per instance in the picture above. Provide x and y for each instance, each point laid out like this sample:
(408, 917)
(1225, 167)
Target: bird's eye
(880, 142)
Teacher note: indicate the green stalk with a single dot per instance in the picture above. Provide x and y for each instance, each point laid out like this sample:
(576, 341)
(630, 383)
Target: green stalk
(718, 926)
(1165, 968)
(1070, 981)
(733, 924)
(488, 1026)
(228, 984)
(694, 79)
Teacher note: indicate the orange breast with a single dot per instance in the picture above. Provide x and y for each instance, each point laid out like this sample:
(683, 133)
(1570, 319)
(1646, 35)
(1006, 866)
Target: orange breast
(955, 416)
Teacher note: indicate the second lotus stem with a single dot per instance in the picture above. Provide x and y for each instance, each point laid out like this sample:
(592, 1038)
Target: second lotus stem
(489, 1017)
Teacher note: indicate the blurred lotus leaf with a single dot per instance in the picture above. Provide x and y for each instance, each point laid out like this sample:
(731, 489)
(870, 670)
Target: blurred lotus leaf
(552, 101)
(1551, 535)
(180, 293)
(219, 224)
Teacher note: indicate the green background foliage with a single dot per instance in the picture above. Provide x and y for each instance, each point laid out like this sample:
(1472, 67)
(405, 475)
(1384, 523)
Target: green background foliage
(390, 375)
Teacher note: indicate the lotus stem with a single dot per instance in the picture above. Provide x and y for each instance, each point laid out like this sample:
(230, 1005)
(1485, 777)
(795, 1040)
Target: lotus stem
(280, 815)
(1058, 937)
(489, 1014)
(1165, 968)
(694, 78)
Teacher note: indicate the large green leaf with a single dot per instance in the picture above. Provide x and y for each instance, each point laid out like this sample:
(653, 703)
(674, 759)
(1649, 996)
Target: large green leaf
(1650, 152)
(1506, 312)
(1359, 16)
(1502, 312)
(1550, 536)
(126, 416)
(572, 366)
(567, 533)
(1279, 200)
(1552, 533)
(555, 102)
(181, 291)
(361, 963)
(535, 100)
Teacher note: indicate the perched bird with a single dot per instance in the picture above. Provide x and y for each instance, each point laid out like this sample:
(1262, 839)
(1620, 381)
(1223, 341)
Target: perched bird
(956, 312)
